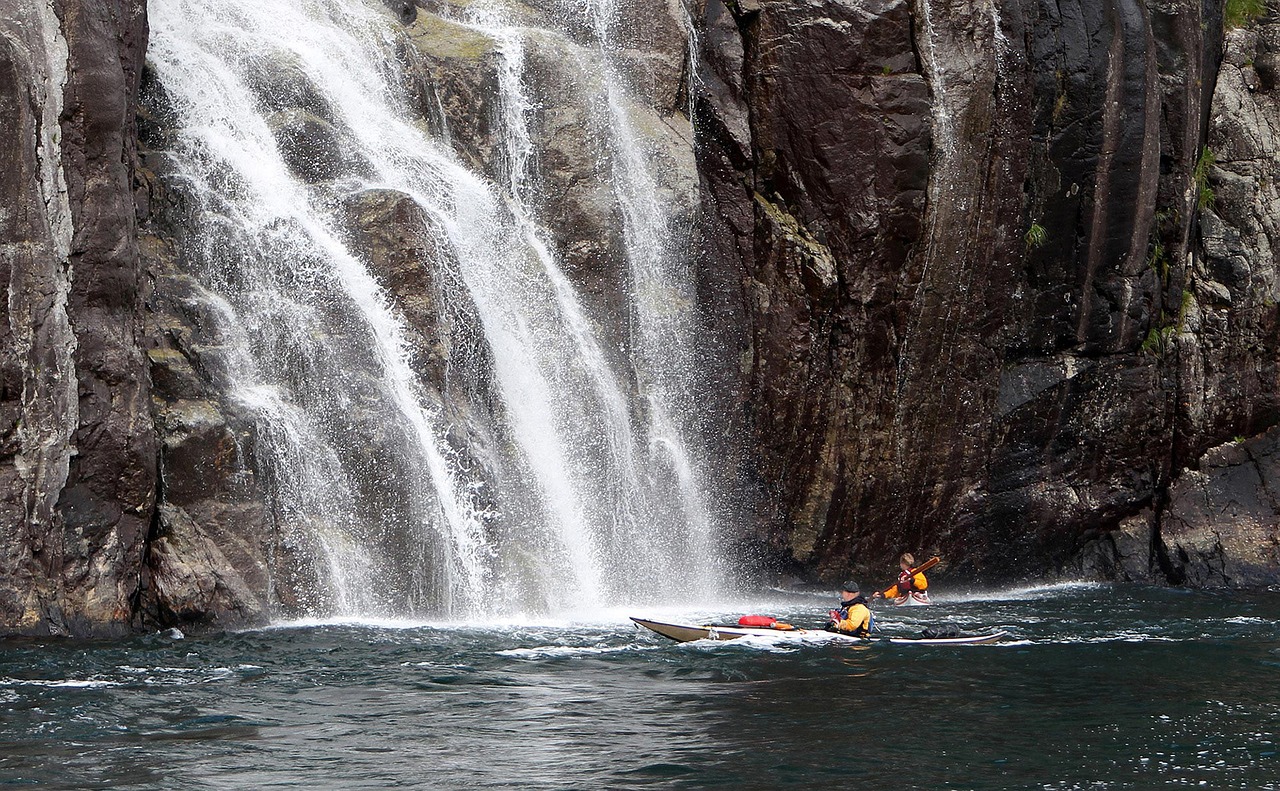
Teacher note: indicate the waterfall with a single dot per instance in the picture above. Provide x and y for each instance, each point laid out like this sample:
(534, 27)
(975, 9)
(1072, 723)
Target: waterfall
(662, 287)
(399, 490)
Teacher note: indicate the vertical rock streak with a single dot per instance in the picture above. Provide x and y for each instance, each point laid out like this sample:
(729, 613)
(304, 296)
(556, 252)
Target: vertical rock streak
(37, 263)
(1124, 62)
(942, 352)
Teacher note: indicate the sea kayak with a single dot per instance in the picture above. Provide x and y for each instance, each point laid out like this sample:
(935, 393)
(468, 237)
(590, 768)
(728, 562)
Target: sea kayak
(684, 633)
(912, 599)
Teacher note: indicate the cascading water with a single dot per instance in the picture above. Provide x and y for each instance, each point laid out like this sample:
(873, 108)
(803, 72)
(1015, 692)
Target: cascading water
(664, 299)
(610, 424)
(378, 480)
(944, 127)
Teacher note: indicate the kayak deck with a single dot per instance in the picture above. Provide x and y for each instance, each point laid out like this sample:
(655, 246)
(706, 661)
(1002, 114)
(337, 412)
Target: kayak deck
(684, 633)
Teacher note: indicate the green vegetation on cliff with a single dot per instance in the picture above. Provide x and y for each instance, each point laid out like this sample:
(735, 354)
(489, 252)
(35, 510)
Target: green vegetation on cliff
(1239, 13)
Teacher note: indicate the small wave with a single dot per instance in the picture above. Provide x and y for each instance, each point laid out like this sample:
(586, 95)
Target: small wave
(1024, 592)
(783, 643)
(182, 676)
(93, 683)
(161, 669)
(563, 651)
(1117, 637)
(750, 643)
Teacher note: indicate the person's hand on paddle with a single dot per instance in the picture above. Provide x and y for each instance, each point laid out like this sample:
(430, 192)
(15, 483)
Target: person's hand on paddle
(877, 595)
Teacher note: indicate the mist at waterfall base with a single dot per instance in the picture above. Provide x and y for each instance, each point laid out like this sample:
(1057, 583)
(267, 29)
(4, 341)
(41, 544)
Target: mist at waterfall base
(1097, 688)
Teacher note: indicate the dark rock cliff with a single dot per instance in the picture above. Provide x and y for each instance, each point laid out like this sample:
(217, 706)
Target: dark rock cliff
(79, 444)
(991, 309)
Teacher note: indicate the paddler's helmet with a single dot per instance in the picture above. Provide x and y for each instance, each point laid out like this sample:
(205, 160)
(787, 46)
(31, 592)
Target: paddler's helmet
(849, 586)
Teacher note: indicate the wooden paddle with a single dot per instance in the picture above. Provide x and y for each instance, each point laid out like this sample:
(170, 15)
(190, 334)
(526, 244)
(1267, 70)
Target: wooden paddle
(925, 566)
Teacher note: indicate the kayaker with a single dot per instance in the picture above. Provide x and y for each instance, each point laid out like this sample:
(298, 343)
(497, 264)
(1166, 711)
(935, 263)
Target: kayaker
(907, 582)
(853, 617)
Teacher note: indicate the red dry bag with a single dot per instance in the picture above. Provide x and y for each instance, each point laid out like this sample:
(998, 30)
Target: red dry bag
(757, 620)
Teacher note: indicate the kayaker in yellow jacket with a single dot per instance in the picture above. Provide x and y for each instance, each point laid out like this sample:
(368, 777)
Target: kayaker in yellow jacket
(853, 617)
(907, 582)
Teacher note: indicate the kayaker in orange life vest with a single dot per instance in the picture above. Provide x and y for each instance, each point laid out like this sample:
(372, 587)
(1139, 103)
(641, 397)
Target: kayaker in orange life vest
(853, 617)
(907, 582)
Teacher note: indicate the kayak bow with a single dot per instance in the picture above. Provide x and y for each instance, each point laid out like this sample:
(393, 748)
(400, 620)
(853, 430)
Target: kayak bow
(912, 599)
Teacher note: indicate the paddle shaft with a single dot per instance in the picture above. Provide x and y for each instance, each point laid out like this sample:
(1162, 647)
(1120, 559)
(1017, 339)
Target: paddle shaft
(925, 566)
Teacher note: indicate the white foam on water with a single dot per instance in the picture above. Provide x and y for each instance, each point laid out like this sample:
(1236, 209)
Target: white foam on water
(1021, 593)
(571, 651)
(351, 621)
(164, 676)
(748, 643)
(70, 683)
(587, 618)
(1013, 643)
(1123, 636)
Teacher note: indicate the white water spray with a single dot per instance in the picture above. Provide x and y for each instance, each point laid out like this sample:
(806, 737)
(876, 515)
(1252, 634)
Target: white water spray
(325, 356)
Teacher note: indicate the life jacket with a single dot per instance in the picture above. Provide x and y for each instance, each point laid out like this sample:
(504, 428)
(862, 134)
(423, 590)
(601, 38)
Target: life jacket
(844, 613)
(907, 583)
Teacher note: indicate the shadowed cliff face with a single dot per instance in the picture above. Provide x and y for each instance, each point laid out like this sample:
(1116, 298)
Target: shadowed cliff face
(973, 262)
(79, 445)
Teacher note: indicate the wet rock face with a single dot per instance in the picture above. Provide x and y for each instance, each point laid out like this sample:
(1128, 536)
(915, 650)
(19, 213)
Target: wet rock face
(37, 393)
(401, 245)
(1222, 524)
(456, 60)
(453, 82)
(78, 464)
(1228, 355)
(312, 148)
(975, 264)
(819, 162)
(211, 545)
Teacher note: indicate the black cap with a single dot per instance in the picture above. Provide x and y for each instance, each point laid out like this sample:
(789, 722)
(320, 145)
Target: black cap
(851, 586)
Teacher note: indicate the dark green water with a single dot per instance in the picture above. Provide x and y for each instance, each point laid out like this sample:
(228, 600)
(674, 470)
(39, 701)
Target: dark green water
(1099, 688)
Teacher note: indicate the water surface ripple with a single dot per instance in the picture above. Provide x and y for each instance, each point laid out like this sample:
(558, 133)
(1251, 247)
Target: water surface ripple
(1098, 688)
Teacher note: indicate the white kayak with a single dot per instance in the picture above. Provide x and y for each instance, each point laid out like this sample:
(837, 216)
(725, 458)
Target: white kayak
(684, 633)
(912, 599)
